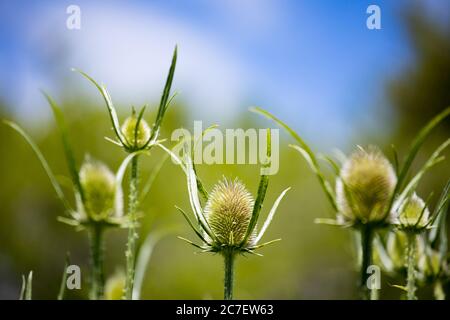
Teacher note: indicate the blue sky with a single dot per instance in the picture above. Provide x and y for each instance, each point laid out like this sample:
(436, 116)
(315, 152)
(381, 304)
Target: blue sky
(313, 63)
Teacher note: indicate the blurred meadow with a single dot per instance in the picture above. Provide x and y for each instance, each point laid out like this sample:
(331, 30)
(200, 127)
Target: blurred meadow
(314, 64)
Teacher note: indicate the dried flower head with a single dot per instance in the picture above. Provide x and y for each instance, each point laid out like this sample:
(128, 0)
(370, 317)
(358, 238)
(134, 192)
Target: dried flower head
(411, 213)
(99, 187)
(136, 131)
(365, 186)
(229, 211)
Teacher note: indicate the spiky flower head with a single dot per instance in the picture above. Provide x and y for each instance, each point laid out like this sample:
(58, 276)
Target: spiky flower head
(365, 186)
(136, 138)
(99, 188)
(411, 213)
(229, 211)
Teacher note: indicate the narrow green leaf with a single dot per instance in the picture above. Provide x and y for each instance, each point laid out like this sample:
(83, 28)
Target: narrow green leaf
(29, 286)
(271, 215)
(68, 151)
(262, 189)
(165, 97)
(414, 149)
(324, 183)
(307, 150)
(62, 287)
(439, 225)
(192, 225)
(143, 260)
(109, 104)
(43, 161)
(23, 288)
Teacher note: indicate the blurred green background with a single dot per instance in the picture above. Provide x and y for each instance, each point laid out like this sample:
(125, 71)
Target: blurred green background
(311, 262)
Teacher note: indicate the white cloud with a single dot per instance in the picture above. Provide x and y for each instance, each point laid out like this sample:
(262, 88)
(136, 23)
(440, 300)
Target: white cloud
(129, 48)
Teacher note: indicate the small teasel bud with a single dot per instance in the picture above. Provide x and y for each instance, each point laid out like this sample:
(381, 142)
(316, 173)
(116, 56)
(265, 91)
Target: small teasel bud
(412, 213)
(138, 138)
(115, 286)
(99, 187)
(365, 186)
(228, 211)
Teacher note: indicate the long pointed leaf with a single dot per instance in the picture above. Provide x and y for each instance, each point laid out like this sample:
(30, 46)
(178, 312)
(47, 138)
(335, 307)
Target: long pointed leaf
(59, 117)
(62, 287)
(43, 161)
(109, 104)
(303, 146)
(271, 215)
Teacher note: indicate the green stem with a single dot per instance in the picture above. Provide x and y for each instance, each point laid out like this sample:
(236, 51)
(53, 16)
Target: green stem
(438, 290)
(98, 280)
(132, 230)
(366, 261)
(411, 266)
(229, 256)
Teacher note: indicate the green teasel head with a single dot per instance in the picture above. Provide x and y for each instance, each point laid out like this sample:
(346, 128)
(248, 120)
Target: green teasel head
(98, 183)
(228, 211)
(136, 131)
(135, 134)
(228, 220)
(365, 186)
(411, 214)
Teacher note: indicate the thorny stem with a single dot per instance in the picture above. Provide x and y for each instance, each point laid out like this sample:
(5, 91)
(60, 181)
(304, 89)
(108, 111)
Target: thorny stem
(411, 262)
(132, 230)
(229, 256)
(366, 261)
(98, 280)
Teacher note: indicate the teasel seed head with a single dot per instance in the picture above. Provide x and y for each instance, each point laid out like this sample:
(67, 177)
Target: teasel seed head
(397, 243)
(99, 187)
(136, 139)
(229, 211)
(365, 186)
(411, 213)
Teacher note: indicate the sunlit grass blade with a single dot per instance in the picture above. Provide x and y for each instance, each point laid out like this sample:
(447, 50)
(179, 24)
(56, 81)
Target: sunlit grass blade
(307, 150)
(29, 286)
(43, 161)
(109, 104)
(22, 288)
(431, 162)
(333, 164)
(324, 183)
(270, 216)
(59, 117)
(143, 260)
(415, 147)
(62, 287)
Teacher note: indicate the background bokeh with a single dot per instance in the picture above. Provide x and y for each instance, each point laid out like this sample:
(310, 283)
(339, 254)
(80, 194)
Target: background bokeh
(313, 63)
